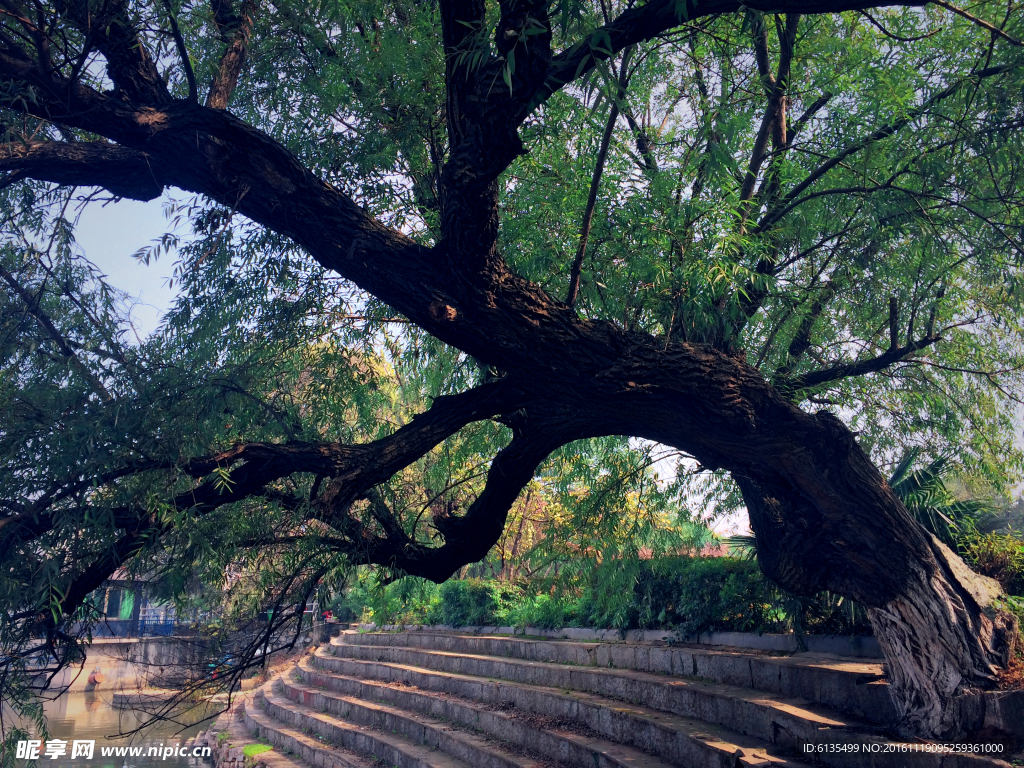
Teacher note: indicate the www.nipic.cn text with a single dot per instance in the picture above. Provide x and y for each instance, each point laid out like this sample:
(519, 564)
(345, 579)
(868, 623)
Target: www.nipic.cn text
(35, 749)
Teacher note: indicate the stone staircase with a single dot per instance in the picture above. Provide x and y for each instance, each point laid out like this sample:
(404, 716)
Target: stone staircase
(444, 700)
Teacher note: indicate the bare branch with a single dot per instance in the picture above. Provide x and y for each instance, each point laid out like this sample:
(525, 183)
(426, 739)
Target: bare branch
(975, 20)
(774, 120)
(233, 60)
(32, 307)
(858, 368)
(785, 203)
(186, 62)
(893, 36)
(810, 112)
(801, 341)
(595, 182)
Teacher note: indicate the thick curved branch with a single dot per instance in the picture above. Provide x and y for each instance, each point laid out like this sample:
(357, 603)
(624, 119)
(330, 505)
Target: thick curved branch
(124, 172)
(468, 538)
(251, 466)
(357, 469)
(459, 300)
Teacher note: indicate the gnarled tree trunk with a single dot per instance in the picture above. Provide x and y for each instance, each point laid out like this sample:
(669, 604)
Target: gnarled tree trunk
(943, 637)
(938, 623)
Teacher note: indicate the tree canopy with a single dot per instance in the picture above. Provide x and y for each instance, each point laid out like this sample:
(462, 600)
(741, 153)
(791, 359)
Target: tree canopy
(432, 244)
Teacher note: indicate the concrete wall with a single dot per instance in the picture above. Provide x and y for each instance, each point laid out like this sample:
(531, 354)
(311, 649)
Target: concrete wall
(130, 663)
(857, 646)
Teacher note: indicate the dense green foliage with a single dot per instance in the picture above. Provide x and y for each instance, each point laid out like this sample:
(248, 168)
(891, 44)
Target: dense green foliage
(999, 556)
(991, 541)
(870, 263)
(686, 595)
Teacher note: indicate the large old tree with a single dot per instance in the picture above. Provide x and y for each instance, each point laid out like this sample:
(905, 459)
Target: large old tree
(697, 222)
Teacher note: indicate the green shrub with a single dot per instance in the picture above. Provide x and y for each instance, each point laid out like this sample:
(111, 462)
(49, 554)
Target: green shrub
(691, 594)
(404, 601)
(543, 610)
(720, 594)
(350, 605)
(473, 602)
(688, 594)
(998, 555)
(703, 594)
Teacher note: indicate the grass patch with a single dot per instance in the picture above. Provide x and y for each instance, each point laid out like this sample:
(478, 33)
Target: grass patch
(251, 750)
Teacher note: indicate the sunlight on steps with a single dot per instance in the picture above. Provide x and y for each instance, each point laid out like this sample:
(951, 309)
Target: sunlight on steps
(444, 700)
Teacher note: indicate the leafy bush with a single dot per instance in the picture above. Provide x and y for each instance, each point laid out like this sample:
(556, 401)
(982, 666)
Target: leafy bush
(688, 594)
(349, 606)
(473, 602)
(543, 610)
(706, 594)
(404, 601)
(691, 594)
(998, 555)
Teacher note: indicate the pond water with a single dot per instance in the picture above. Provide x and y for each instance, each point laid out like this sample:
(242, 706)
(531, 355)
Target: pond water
(90, 716)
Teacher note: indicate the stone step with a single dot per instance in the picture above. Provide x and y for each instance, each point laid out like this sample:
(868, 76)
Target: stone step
(851, 686)
(778, 721)
(233, 731)
(772, 719)
(532, 715)
(399, 739)
(557, 746)
(288, 742)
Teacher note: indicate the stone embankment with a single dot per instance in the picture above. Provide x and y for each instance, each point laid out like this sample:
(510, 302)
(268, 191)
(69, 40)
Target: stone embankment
(445, 700)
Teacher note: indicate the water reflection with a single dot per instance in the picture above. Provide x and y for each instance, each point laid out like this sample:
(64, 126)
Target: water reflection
(90, 715)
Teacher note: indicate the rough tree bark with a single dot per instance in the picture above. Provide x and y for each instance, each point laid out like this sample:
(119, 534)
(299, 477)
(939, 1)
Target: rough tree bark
(823, 515)
(939, 624)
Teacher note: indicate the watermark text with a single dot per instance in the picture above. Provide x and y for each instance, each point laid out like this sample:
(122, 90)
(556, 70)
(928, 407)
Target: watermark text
(37, 749)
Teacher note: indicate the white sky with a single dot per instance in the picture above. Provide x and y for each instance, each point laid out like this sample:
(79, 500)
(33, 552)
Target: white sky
(110, 234)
